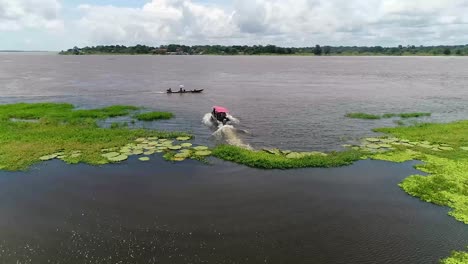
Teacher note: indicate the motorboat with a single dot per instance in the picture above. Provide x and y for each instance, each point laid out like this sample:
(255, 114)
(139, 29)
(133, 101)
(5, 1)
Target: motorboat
(219, 114)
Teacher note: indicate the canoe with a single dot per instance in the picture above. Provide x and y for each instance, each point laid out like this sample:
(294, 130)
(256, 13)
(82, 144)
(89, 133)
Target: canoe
(190, 91)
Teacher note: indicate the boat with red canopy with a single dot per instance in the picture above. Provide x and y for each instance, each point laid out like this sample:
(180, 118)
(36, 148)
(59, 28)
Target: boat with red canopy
(219, 114)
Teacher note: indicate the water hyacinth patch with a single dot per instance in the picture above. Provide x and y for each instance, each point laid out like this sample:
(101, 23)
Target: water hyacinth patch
(151, 116)
(264, 160)
(62, 128)
(445, 161)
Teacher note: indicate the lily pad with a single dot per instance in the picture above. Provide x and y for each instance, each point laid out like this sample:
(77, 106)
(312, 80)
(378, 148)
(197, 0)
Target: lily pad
(373, 146)
(118, 158)
(294, 155)
(464, 148)
(110, 154)
(182, 155)
(202, 153)
(373, 139)
(314, 153)
(274, 151)
(48, 157)
(140, 139)
(137, 152)
(200, 148)
(151, 152)
(144, 158)
(183, 138)
(176, 147)
(186, 145)
(75, 155)
(426, 146)
(446, 148)
(153, 138)
(177, 159)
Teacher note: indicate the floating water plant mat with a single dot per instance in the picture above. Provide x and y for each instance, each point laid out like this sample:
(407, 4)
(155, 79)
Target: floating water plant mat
(150, 145)
(443, 149)
(62, 132)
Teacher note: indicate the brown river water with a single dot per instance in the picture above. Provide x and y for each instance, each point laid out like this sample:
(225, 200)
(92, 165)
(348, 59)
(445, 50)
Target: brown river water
(190, 212)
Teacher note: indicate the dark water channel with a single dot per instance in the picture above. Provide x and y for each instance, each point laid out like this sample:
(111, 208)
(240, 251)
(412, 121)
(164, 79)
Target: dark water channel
(157, 212)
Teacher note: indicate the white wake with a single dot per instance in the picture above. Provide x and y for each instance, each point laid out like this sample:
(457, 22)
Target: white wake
(226, 133)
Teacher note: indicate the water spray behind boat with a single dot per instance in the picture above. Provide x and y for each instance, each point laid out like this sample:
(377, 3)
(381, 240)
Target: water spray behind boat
(226, 133)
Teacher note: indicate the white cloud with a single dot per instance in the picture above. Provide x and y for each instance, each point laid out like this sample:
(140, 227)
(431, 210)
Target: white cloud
(17, 15)
(157, 21)
(281, 22)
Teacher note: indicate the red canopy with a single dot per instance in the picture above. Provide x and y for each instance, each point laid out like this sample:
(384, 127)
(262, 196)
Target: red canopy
(220, 109)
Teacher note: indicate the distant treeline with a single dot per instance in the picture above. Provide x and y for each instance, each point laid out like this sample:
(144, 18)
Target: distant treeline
(317, 50)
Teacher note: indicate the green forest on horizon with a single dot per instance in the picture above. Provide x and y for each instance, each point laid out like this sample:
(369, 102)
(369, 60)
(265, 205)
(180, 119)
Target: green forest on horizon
(317, 50)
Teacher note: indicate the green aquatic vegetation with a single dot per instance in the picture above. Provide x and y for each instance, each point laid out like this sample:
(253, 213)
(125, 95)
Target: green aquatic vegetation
(397, 156)
(457, 257)
(119, 125)
(118, 158)
(439, 147)
(175, 147)
(144, 159)
(200, 148)
(406, 115)
(202, 153)
(48, 157)
(62, 128)
(264, 160)
(183, 138)
(445, 184)
(387, 115)
(151, 116)
(362, 116)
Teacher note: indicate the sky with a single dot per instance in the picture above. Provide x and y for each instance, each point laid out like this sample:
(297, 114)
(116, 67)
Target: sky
(61, 24)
